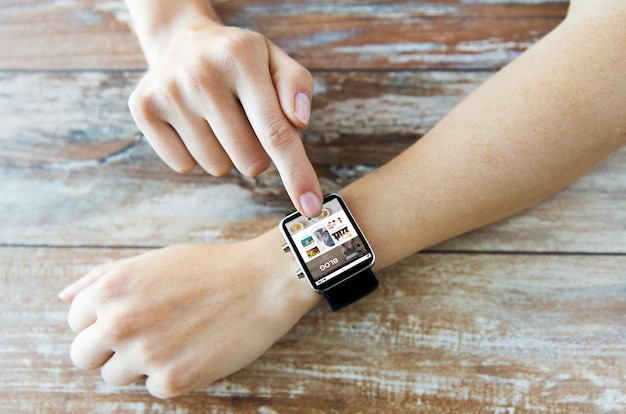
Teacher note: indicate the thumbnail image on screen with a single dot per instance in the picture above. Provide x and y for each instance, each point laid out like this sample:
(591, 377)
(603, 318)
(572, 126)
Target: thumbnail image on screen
(327, 243)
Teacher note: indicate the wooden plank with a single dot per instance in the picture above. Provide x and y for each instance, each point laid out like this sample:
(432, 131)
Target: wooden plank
(74, 170)
(358, 117)
(96, 34)
(406, 34)
(118, 204)
(60, 117)
(444, 333)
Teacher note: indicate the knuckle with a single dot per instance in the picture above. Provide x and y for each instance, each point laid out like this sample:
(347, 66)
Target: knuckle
(256, 167)
(198, 77)
(238, 50)
(142, 105)
(117, 317)
(76, 357)
(119, 324)
(110, 378)
(216, 164)
(112, 285)
(219, 170)
(278, 134)
(241, 43)
(146, 102)
(182, 166)
(150, 352)
(170, 382)
(82, 355)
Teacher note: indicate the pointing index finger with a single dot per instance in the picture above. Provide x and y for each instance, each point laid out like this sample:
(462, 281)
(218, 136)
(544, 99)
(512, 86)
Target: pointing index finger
(283, 144)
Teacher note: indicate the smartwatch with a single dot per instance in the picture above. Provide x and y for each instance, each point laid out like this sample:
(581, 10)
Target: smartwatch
(333, 254)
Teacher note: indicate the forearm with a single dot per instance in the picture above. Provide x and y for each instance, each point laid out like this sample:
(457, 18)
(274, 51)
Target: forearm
(539, 124)
(155, 20)
(535, 127)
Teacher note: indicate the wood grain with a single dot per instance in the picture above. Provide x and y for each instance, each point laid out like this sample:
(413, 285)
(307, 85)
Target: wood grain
(524, 316)
(96, 34)
(71, 169)
(445, 333)
(359, 117)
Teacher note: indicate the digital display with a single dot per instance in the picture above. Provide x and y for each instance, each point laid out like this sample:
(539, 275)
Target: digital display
(329, 245)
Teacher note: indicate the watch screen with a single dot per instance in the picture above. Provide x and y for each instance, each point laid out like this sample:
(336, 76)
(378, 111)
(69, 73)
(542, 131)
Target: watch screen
(329, 247)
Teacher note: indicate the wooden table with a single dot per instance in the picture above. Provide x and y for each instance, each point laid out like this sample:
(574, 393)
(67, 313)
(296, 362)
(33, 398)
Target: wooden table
(524, 316)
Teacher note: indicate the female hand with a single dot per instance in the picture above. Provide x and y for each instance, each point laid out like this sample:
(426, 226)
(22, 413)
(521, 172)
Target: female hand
(222, 96)
(183, 316)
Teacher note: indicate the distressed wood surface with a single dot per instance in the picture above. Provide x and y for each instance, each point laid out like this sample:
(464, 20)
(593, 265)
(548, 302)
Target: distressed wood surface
(523, 316)
(445, 333)
(83, 158)
(95, 34)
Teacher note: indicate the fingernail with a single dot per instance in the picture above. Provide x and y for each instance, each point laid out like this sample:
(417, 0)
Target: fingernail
(303, 107)
(311, 204)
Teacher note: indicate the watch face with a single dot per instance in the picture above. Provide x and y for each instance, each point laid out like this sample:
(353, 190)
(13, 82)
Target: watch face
(329, 247)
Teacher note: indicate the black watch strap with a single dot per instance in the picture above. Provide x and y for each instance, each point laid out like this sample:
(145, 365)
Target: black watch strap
(351, 290)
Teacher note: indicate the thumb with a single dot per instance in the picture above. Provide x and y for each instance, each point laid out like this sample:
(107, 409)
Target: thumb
(293, 84)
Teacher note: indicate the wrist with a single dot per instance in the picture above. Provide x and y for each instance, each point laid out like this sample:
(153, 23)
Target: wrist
(280, 273)
(159, 22)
